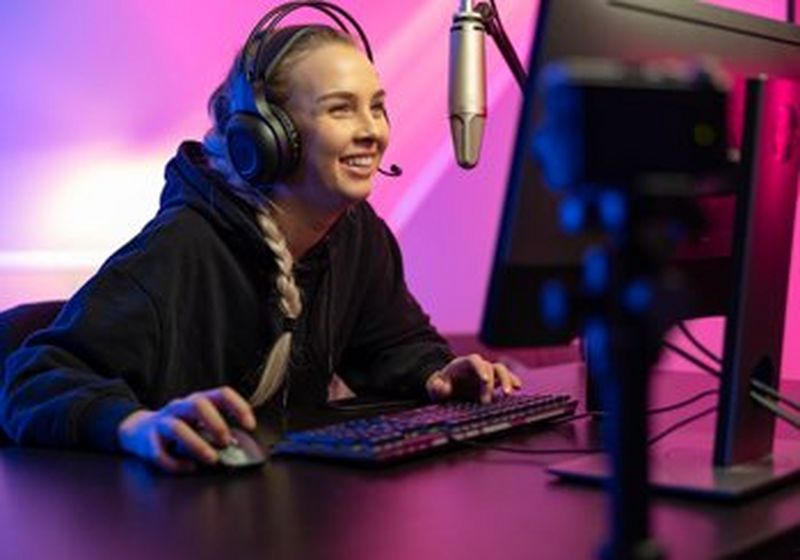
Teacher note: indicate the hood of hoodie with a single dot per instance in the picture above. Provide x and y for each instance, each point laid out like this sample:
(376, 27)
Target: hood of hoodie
(191, 182)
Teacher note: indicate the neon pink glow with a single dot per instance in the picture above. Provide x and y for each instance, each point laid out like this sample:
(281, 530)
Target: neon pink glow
(775, 9)
(98, 94)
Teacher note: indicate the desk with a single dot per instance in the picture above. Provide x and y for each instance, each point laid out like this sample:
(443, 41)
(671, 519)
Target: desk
(463, 504)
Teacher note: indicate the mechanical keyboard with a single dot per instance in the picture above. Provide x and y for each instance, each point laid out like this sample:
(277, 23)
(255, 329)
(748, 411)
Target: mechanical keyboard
(400, 435)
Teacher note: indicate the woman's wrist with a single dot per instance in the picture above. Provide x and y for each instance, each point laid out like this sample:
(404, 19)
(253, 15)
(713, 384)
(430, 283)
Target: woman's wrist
(127, 428)
(434, 380)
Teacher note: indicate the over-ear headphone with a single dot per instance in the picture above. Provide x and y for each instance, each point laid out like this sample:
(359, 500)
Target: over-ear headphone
(263, 142)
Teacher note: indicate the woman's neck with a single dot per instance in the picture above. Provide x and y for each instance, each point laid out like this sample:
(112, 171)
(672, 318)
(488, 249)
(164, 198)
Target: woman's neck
(302, 224)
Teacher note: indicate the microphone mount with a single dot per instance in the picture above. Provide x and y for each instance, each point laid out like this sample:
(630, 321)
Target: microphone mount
(494, 27)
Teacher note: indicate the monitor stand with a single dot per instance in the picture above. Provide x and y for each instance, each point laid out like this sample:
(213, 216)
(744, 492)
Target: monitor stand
(683, 466)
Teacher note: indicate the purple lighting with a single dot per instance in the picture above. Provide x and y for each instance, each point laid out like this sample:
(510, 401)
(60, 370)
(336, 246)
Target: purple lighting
(97, 96)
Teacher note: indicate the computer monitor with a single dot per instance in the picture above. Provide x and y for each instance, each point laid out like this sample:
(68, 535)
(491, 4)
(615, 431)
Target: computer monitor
(727, 274)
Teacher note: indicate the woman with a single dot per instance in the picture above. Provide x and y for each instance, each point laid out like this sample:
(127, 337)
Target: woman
(244, 291)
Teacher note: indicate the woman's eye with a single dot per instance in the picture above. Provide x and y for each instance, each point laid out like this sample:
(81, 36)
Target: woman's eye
(379, 108)
(339, 108)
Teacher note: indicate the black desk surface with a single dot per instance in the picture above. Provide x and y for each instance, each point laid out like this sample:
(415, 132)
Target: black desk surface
(467, 503)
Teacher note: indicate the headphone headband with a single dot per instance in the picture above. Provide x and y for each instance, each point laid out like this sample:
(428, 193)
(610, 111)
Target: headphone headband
(271, 19)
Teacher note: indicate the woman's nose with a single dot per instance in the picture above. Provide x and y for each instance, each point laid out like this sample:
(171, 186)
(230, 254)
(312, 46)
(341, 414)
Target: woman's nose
(368, 125)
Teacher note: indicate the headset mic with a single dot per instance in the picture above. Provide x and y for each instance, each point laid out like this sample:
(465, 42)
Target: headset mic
(394, 171)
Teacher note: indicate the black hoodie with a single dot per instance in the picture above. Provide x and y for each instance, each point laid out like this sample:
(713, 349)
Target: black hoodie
(190, 304)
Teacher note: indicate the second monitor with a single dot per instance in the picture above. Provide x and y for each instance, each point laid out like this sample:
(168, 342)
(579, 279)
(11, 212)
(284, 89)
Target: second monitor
(532, 249)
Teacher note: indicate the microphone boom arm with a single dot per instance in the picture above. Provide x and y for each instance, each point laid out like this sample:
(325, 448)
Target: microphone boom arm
(495, 30)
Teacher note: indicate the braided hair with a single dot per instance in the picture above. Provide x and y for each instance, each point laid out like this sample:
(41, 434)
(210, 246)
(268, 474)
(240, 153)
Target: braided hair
(276, 364)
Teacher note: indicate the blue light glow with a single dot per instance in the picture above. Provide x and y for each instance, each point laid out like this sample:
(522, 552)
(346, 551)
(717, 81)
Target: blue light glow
(572, 212)
(554, 304)
(638, 296)
(595, 271)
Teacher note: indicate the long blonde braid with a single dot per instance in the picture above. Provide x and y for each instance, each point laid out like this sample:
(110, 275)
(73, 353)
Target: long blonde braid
(277, 364)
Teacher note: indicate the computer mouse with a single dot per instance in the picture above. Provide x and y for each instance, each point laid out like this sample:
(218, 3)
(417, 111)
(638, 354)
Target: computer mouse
(243, 453)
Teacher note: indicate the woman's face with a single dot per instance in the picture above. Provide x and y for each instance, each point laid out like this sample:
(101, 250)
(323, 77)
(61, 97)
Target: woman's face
(337, 105)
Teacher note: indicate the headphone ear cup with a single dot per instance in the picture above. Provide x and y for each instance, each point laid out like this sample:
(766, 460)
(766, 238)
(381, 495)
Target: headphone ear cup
(262, 148)
(252, 147)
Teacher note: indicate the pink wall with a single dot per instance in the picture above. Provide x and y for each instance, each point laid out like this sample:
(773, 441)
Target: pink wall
(775, 9)
(99, 101)
(97, 95)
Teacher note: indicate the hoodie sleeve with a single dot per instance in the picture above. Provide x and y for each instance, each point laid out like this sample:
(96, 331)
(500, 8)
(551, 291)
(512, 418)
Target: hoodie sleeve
(394, 348)
(71, 384)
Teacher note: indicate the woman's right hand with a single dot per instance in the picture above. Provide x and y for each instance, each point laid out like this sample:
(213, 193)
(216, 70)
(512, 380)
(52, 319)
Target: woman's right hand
(155, 436)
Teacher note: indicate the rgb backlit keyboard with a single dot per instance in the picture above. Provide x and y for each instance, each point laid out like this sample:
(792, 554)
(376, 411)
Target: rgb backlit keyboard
(394, 436)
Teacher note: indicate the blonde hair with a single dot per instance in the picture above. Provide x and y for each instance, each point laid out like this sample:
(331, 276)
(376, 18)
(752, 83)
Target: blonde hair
(277, 363)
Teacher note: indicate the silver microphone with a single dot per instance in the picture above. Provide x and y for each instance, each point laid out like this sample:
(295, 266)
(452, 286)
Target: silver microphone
(467, 83)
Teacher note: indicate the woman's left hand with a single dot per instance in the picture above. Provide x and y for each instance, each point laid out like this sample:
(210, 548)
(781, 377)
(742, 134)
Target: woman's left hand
(471, 378)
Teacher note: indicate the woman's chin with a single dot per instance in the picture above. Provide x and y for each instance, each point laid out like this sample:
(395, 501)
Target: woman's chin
(355, 191)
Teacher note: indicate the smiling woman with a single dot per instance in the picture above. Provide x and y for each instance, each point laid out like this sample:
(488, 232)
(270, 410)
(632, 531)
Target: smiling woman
(264, 273)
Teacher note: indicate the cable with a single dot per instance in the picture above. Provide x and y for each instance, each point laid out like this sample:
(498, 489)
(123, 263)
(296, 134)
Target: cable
(352, 405)
(681, 404)
(680, 424)
(760, 385)
(697, 344)
(555, 451)
(761, 392)
(560, 451)
(574, 417)
(693, 359)
(773, 407)
(524, 451)
(792, 419)
(658, 410)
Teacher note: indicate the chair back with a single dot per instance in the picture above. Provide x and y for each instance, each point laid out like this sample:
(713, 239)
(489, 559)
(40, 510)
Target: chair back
(17, 324)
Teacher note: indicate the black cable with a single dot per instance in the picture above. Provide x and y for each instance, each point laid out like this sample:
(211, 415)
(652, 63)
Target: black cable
(762, 393)
(574, 417)
(693, 359)
(668, 408)
(681, 404)
(555, 451)
(524, 451)
(697, 344)
(658, 410)
(352, 405)
(764, 388)
(680, 424)
(770, 392)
